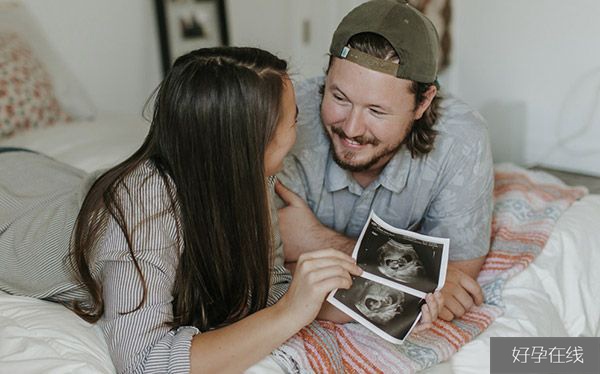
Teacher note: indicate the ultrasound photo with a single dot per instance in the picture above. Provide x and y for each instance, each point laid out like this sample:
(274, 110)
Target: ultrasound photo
(399, 269)
(388, 309)
(410, 261)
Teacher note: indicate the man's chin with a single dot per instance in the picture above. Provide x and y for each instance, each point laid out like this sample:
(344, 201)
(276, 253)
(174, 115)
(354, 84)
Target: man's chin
(356, 165)
(352, 166)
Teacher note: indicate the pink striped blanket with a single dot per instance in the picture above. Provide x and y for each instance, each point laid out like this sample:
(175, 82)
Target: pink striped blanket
(526, 207)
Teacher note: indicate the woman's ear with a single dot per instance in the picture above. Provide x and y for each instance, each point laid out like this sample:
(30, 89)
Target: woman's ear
(428, 97)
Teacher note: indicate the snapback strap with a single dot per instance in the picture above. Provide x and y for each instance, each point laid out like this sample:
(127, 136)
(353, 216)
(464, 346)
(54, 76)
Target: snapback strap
(369, 62)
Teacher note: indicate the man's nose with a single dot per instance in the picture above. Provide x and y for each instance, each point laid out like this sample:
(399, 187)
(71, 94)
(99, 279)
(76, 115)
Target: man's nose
(354, 125)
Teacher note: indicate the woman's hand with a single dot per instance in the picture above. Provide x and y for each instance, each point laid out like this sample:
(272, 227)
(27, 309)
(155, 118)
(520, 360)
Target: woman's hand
(317, 273)
(431, 309)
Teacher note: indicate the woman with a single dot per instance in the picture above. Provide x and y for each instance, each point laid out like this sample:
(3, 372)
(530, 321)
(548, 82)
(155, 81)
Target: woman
(175, 244)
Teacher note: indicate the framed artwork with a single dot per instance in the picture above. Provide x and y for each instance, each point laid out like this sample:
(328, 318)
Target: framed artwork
(440, 13)
(185, 25)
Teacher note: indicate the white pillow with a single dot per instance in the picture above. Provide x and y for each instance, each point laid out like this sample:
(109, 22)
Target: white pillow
(568, 267)
(15, 18)
(42, 337)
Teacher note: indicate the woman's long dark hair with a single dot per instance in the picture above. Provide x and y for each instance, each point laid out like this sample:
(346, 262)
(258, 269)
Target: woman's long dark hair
(214, 114)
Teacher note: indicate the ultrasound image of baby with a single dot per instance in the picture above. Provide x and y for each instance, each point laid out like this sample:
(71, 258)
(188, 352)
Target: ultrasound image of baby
(380, 303)
(399, 261)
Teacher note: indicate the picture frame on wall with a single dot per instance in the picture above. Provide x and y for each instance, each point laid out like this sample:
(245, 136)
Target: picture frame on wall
(185, 25)
(440, 13)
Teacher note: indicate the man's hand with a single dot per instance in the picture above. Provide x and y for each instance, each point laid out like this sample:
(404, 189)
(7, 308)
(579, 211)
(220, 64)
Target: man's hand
(300, 229)
(461, 291)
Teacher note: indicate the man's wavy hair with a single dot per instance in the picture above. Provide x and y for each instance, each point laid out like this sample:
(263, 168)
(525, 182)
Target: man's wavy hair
(421, 138)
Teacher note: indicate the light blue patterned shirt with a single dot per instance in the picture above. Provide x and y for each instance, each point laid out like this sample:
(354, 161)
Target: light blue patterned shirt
(446, 193)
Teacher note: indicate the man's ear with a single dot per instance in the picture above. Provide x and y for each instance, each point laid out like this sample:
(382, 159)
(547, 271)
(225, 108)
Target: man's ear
(428, 97)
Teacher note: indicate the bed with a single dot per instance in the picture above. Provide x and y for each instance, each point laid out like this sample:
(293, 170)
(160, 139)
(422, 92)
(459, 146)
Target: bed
(560, 285)
(42, 337)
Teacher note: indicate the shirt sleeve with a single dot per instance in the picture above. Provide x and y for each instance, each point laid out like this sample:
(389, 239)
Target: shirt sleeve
(462, 208)
(280, 276)
(280, 282)
(292, 177)
(309, 136)
(139, 337)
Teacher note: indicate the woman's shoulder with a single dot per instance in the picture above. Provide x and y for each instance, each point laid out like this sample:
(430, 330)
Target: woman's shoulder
(147, 175)
(145, 204)
(148, 186)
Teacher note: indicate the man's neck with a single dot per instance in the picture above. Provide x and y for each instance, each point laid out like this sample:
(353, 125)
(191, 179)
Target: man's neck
(365, 178)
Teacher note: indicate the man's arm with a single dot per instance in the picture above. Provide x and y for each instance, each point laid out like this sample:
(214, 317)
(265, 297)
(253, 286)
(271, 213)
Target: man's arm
(302, 232)
(461, 289)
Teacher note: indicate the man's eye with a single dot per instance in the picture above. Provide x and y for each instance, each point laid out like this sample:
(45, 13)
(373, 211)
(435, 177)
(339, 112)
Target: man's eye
(338, 97)
(377, 112)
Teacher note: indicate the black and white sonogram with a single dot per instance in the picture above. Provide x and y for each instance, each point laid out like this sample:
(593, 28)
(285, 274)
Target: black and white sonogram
(399, 261)
(410, 261)
(390, 310)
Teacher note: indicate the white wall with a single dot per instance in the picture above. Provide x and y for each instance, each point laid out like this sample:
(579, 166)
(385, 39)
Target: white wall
(531, 67)
(533, 70)
(264, 15)
(299, 31)
(111, 46)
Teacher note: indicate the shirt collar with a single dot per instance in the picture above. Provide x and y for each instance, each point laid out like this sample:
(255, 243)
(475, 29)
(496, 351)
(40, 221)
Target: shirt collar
(393, 177)
(336, 178)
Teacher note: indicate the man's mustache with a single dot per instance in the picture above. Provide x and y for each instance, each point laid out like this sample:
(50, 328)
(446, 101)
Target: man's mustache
(362, 140)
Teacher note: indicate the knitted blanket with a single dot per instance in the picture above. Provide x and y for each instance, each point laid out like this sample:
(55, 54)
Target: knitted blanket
(526, 207)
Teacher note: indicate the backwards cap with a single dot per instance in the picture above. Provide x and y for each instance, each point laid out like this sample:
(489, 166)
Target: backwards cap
(411, 34)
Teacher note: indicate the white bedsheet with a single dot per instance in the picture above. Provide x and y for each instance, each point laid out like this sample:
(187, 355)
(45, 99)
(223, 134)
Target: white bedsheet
(556, 296)
(88, 145)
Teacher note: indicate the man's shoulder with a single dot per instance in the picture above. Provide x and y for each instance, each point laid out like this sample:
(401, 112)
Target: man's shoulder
(311, 139)
(307, 90)
(456, 115)
(460, 123)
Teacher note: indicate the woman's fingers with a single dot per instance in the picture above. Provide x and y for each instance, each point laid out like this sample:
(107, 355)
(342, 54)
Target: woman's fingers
(326, 262)
(331, 283)
(439, 298)
(426, 318)
(425, 322)
(328, 252)
(326, 272)
(434, 304)
(327, 257)
(430, 311)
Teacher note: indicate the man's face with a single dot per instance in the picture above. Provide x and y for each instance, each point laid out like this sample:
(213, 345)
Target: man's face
(366, 114)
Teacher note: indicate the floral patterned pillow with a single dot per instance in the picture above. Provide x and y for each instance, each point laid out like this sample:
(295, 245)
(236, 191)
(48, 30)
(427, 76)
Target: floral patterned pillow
(27, 97)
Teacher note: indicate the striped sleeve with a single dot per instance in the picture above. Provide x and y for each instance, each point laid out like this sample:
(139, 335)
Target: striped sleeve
(280, 276)
(36, 220)
(139, 337)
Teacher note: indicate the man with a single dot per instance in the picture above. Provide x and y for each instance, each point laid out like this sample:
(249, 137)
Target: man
(375, 134)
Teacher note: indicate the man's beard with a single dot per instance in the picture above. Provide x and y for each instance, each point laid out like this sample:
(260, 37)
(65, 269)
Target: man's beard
(349, 155)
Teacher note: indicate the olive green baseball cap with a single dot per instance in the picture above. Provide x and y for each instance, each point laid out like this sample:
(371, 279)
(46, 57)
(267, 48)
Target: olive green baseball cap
(411, 34)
